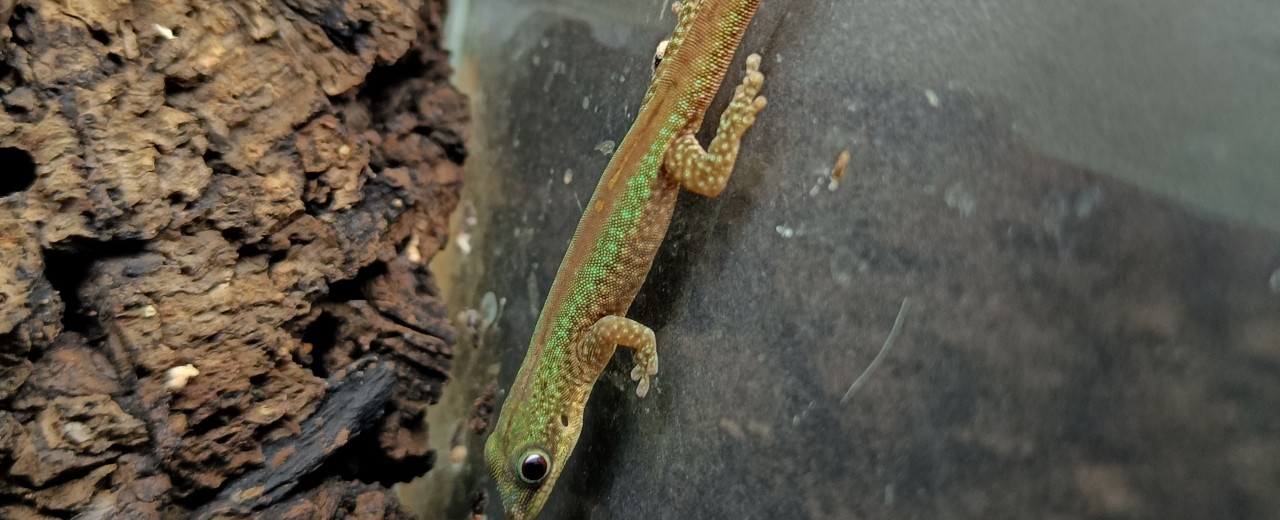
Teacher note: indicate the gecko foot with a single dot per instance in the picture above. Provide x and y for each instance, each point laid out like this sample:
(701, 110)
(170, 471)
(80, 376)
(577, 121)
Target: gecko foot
(706, 171)
(747, 95)
(646, 367)
(623, 332)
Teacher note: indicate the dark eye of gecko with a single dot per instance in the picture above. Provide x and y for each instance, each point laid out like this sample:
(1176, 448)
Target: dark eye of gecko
(534, 466)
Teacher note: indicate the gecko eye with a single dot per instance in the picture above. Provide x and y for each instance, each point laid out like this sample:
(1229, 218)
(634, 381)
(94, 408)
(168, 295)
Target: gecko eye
(534, 466)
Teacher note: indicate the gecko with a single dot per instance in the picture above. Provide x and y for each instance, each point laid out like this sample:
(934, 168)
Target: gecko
(584, 318)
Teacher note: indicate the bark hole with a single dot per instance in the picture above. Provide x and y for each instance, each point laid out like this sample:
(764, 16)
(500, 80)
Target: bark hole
(21, 171)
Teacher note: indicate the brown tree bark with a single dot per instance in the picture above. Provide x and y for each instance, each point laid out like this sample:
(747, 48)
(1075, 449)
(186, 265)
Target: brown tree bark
(214, 223)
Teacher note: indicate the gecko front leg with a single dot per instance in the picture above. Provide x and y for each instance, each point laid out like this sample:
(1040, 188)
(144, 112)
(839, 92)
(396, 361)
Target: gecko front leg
(617, 330)
(706, 171)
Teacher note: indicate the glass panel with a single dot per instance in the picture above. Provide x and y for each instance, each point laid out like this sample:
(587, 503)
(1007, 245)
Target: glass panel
(1076, 198)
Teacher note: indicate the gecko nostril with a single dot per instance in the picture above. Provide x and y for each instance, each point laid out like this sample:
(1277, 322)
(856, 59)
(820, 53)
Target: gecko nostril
(564, 420)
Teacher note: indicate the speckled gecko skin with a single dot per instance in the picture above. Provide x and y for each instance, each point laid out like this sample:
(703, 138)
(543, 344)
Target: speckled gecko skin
(583, 320)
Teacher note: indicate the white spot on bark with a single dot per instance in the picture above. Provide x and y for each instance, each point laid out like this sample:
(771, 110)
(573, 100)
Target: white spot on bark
(176, 378)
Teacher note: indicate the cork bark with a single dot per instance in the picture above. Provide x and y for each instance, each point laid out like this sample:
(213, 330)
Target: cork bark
(214, 224)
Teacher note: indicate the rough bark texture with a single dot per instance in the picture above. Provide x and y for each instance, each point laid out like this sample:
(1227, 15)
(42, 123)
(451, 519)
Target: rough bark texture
(251, 188)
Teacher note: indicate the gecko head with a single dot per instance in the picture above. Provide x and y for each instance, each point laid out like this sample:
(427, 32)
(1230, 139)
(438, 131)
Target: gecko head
(526, 453)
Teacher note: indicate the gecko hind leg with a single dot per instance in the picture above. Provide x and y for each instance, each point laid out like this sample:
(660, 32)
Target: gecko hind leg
(706, 172)
(624, 332)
